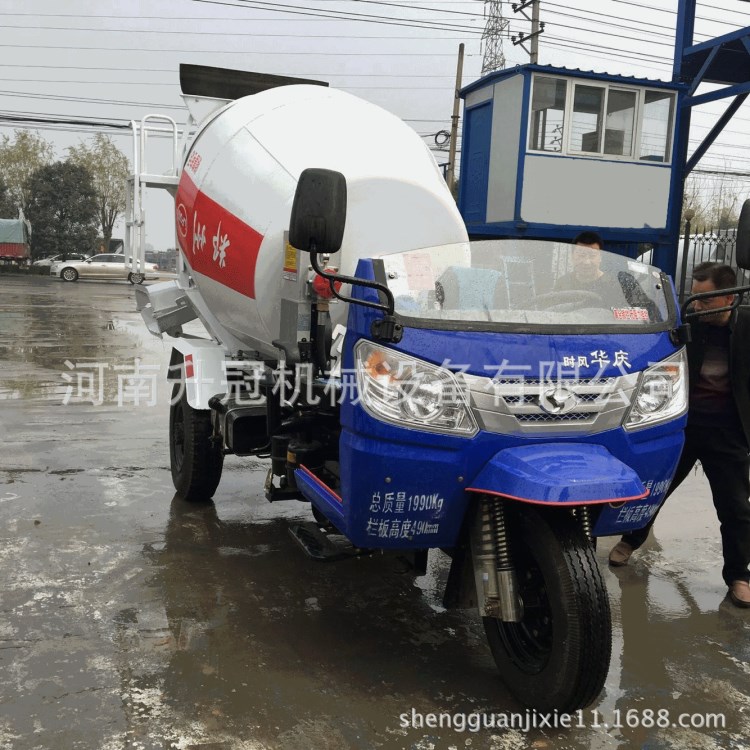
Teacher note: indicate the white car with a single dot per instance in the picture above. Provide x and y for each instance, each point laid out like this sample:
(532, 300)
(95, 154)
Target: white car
(104, 266)
(59, 258)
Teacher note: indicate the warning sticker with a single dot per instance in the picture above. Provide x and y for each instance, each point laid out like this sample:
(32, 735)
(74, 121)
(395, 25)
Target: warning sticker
(290, 262)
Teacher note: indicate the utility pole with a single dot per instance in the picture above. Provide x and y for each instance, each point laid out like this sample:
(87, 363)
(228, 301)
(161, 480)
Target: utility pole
(451, 176)
(535, 32)
(495, 29)
(537, 28)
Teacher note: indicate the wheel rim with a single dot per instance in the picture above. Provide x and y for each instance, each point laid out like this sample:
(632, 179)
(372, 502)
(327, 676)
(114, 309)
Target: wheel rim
(529, 642)
(178, 438)
(69, 275)
(136, 278)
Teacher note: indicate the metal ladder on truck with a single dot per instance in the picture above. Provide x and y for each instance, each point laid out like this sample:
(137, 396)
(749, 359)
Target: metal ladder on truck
(167, 305)
(135, 218)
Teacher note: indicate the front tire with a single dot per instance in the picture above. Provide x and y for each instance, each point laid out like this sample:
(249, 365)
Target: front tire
(136, 278)
(558, 656)
(69, 274)
(196, 461)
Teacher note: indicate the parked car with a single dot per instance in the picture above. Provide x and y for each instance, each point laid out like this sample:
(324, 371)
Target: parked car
(104, 266)
(60, 257)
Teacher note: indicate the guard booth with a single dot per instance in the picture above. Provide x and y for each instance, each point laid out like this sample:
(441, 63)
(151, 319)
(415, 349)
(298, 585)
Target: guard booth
(548, 152)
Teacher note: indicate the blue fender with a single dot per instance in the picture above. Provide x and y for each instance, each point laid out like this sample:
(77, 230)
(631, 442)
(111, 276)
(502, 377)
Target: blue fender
(559, 474)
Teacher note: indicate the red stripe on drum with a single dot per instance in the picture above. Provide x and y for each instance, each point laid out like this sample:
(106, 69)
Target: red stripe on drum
(214, 241)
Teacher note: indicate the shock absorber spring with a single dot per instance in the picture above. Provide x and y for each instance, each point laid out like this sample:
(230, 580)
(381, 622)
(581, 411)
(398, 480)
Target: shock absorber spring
(484, 553)
(500, 536)
(511, 609)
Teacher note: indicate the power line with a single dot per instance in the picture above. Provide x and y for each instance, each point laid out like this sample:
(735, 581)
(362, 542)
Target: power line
(640, 22)
(225, 33)
(91, 100)
(619, 36)
(11, 117)
(548, 5)
(231, 52)
(339, 16)
(413, 7)
(174, 70)
(420, 87)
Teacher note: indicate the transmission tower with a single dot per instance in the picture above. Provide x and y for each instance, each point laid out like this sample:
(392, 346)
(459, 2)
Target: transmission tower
(492, 37)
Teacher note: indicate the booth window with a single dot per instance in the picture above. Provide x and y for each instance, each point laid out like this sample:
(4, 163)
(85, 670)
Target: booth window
(601, 119)
(586, 123)
(618, 130)
(547, 114)
(589, 123)
(656, 131)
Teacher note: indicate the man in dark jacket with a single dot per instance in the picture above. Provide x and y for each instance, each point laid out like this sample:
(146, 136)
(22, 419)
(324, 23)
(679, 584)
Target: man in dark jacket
(587, 273)
(718, 428)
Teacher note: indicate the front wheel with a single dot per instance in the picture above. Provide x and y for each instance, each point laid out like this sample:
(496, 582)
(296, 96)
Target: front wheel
(195, 459)
(69, 274)
(136, 278)
(557, 656)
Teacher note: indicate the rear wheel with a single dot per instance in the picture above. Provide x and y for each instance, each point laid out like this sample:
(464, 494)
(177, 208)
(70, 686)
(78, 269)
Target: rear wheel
(196, 461)
(69, 274)
(557, 656)
(136, 278)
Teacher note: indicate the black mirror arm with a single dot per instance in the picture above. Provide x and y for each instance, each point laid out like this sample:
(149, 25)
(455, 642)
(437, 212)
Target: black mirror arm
(385, 329)
(390, 306)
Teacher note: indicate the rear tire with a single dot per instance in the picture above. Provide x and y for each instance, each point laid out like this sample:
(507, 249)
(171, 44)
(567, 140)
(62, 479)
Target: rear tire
(136, 278)
(196, 461)
(558, 656)
(69, 274)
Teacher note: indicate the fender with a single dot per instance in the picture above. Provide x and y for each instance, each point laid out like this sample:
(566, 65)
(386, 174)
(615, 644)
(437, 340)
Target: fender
(200, 364)
(559, 474)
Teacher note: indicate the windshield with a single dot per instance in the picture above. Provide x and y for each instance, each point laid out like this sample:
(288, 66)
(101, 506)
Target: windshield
(530, 282)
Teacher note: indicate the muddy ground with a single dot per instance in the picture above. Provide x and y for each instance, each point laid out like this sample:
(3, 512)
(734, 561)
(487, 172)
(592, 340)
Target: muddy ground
(129, 619)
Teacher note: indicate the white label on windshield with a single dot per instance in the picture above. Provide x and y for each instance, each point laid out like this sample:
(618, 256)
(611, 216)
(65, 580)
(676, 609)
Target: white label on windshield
(630, 313)
(418, 267)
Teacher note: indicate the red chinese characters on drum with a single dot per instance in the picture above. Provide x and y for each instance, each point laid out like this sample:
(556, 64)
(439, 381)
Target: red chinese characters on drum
(214, 241)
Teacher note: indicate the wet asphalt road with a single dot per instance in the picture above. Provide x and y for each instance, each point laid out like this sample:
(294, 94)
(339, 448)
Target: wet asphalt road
(129, 619)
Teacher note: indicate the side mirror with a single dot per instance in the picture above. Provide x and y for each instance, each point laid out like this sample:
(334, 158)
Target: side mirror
(743, 237)
(318, 212)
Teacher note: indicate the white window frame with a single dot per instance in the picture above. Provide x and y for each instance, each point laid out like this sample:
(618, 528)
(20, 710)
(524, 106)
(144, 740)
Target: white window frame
(566, 114)
(640, 100)
(670, 127)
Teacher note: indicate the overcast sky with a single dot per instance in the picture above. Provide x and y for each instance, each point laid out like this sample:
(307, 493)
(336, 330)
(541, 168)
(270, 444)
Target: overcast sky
(116, 60)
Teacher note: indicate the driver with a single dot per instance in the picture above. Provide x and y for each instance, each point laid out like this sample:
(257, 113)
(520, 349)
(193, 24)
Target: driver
(588, 276)
(587, 273)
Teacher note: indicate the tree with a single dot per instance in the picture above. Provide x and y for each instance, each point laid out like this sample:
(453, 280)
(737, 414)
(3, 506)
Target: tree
(693, 200)
(62, 209)
(8, 209)
(724, 204)
(714, 202)
(19, 159)
(109, 168)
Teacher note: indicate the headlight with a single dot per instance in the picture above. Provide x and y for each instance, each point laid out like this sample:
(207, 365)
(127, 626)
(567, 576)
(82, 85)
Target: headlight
(408, 392)
(661, 393)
